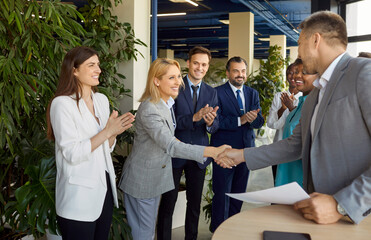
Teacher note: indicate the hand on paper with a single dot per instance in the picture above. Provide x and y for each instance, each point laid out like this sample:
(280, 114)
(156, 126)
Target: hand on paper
(321, 208)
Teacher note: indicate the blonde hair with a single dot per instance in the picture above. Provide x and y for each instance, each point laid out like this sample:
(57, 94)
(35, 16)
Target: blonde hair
(158, 68)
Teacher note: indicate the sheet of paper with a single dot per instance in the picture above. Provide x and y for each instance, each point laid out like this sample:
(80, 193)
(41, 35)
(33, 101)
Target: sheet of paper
(286, 194)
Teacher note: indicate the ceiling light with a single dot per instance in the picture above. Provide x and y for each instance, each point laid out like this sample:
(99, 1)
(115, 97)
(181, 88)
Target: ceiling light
(185, 1)
(264, 39)
(295, 30)
(170, 14)
(209, 27)
(192, 2)
(179, 45)
(224, 21)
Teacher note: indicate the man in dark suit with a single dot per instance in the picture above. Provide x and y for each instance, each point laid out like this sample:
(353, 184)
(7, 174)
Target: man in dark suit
(239, 113)
(333, 137)
(195, 110)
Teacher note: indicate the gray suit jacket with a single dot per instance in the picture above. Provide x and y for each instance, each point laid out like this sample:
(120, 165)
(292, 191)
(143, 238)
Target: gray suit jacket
(340, 153)
(147, 172)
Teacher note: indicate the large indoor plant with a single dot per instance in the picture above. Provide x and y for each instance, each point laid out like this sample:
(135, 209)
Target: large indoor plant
(34, 37)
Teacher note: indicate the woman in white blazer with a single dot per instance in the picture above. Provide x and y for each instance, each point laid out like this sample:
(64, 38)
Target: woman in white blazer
(147, 172)
(79, 121)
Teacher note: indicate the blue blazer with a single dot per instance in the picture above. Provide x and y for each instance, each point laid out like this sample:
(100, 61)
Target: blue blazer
(188, 131)
(229, 132)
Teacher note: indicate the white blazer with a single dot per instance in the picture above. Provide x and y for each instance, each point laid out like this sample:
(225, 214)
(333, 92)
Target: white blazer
(81, 179)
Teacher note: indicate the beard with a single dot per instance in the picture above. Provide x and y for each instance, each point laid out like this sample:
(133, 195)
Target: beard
(236, 82)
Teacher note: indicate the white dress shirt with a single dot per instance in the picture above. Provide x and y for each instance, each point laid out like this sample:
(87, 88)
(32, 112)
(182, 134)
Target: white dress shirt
(321, 84)
(234, 89)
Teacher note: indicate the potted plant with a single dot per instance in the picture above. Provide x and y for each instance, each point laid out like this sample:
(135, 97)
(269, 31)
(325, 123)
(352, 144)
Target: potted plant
(34, 36)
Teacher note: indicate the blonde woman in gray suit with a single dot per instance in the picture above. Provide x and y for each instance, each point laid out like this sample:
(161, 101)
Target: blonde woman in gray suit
(147, 172)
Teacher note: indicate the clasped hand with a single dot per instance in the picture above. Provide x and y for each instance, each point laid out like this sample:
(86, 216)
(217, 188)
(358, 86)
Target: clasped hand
(207, 113)
(287, 101)
(250, 116)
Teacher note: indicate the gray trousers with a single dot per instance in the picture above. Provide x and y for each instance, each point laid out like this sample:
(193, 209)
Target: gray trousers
(142, 215)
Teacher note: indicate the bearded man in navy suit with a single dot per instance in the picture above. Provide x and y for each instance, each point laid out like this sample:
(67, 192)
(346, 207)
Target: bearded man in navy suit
(239, 113)
(195, 111)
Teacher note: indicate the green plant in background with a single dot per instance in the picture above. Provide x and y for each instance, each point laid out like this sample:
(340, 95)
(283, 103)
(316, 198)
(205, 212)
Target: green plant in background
(34, 37)
(269, 79)
(208, 196)
(216, 73)
(115, 41)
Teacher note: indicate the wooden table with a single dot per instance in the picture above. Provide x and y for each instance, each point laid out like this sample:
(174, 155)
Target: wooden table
(250, 225)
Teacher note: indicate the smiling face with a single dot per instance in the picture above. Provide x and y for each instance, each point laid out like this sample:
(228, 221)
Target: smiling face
(304, 82)
(88, 72)
(168, 84)
(197, 67)
(237, 74)
(290, 76)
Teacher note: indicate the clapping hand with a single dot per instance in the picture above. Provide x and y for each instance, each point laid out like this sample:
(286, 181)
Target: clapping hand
(287, 100)
(119, 124)
(202, 112)
(209, 117)
(249, 116)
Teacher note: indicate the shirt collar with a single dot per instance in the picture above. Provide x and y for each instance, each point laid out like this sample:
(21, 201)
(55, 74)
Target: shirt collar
(322, 81)
(169, 102)
(234, 89)
(191, 83)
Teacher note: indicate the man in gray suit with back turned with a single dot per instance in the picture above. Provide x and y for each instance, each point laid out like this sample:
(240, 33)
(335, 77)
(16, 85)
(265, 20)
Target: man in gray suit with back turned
(333, 137)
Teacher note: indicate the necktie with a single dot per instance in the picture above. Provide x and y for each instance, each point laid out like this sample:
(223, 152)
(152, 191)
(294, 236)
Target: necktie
(239, 100)
(194, 88)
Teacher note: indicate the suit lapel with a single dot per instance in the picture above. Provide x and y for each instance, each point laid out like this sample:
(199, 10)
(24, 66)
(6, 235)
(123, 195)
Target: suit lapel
(230, 94)
(330, 88)
(165, 113)
(247, 99)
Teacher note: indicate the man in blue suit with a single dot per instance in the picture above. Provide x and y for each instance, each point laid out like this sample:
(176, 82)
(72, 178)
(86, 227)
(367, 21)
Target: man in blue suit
(239, 113)
(195, 110)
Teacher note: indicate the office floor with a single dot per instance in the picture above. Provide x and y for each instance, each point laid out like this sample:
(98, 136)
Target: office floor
(258, 180)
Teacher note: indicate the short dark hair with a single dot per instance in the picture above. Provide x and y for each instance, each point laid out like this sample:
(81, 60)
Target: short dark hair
(328, 24)
(236, 59)
(199, 49)
(289, 68)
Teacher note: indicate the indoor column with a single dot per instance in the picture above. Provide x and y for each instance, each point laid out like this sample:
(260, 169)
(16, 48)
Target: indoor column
(241, 37)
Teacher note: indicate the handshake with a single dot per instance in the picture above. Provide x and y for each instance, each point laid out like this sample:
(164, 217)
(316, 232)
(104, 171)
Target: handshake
(227, 157)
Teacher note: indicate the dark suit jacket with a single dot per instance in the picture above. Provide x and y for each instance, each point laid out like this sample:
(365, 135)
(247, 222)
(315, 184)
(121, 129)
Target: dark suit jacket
(188, 131)
(339, 155)
(229, 132)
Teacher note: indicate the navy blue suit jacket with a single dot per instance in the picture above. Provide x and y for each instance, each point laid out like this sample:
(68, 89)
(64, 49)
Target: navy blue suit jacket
(229, 132)
(188, 131)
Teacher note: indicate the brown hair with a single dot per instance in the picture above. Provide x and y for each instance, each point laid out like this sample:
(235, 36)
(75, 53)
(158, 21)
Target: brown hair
(68, 84)
(199, 49)
(158, 68)
(329, 25)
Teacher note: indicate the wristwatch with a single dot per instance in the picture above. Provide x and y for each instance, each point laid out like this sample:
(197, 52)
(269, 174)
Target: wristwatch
(341, 210)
